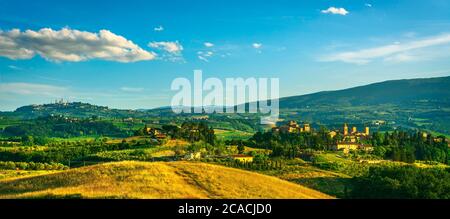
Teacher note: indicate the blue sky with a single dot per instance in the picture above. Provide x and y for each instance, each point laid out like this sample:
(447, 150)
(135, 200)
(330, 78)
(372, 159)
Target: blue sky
(125, 54)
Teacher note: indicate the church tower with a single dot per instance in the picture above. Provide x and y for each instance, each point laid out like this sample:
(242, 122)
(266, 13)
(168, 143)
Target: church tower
(306, 127)
(345, 129)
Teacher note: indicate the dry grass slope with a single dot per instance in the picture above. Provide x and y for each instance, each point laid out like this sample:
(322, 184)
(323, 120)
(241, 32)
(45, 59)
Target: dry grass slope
(154, 180)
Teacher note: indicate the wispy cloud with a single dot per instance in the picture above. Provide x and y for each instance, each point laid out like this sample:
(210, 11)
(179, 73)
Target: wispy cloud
(203, 58)
(204, 55)
(368, 5)
(172, 49)
(13, 67)
(334, 10)
(32, 89)
(70, 45)
(159, 28)
(132, 89)
(392, 52)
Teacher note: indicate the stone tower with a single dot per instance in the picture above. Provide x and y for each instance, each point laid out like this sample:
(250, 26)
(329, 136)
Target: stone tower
(345, 129)
(306, 127)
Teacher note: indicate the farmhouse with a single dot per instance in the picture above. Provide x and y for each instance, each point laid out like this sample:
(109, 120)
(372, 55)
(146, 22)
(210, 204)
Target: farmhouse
(204, 117)
(155, 133)
(160, 136)
(152, 131)
(242, 158)
(193, 156)
(346, 147)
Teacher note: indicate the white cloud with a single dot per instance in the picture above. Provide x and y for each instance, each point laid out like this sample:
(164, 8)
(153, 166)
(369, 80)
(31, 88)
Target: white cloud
(171, 47)
(70, 45)
(203, 58)
(368, 5)
(132, 89)
(396, 51)
(334, 10)
(159, 28)
(208, 44)
(204, 55)
(172, 50)
(257, 45)
(31, 89)
(13, 67)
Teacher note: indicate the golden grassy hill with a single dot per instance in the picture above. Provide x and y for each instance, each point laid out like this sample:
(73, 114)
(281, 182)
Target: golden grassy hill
(154, 180)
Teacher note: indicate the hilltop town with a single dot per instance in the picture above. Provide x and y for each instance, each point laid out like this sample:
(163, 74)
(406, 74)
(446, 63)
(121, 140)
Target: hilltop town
(344, 139)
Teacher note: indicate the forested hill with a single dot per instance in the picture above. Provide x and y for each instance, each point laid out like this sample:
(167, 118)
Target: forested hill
(408, 91)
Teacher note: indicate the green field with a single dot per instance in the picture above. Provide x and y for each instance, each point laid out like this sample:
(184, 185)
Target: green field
(232, 134)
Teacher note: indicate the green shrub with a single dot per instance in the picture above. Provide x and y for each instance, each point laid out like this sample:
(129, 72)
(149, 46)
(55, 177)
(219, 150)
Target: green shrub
(405, 182)
(9, 165)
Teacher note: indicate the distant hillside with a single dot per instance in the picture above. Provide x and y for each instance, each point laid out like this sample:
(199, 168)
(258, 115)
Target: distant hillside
(434, 90)
(58, 126)
(74, 109)
(413, 103)
(154, 180)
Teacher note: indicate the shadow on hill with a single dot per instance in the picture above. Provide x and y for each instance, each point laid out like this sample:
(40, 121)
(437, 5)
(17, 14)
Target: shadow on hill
(335, 186)
(46, 182)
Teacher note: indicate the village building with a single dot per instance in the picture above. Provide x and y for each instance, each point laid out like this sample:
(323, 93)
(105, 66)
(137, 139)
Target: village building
(353, 135)
(242, 158)
(379, 122)
(332, 134)
(292, 127)
(155, 133)
(193, 156)
(203, 117)
(160, 136)
(346, 147)
(351, 140)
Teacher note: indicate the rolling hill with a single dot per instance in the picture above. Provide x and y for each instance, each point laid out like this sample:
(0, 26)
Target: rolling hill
(154, 180)
(408, 91)
(406, 104)
(412, 104)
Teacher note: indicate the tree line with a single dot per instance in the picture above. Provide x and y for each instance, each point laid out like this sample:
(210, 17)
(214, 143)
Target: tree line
(404, 182)
(58, 126)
